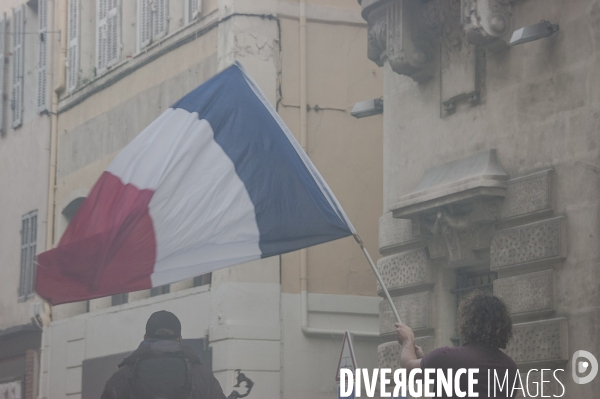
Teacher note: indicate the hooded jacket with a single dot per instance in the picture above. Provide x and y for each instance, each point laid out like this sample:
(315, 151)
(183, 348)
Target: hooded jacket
(205, 384)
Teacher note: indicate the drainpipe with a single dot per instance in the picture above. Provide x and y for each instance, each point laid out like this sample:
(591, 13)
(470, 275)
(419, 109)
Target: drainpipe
(58, 10)
(303, 139)
(58, 79)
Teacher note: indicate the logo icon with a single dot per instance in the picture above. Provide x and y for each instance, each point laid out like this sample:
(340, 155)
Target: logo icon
(581, 366)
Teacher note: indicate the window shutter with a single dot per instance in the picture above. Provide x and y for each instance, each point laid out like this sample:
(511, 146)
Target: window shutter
(73, 43)
(144, 23)
(113, 33)
(24, 256)
(18, 61)
(42, 94)
(101, 13)
(32, 253)
(2, 69)
(193, 9)
(160, 18)
(28, 255)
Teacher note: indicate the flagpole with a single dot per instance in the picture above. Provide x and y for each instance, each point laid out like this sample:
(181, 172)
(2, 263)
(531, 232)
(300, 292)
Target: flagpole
(385, 290)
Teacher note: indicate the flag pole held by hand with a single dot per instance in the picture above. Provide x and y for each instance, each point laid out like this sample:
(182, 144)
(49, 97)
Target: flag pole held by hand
(385, 290)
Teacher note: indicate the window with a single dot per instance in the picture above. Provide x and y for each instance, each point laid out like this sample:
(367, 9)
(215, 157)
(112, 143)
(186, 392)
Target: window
(18, 36)
(193, 8)
(28, 253)
(163, 289)
(119, 299)
(204, 279)
(108, 34)
(3, 53)
(42, 94)
(153, 21)
(73, 43)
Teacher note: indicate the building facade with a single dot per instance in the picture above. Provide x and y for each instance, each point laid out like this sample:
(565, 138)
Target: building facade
(25, 124)
(491, 159)
(121, 63)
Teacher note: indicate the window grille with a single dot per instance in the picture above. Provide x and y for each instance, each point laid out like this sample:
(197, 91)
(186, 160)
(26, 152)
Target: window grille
(28, 255)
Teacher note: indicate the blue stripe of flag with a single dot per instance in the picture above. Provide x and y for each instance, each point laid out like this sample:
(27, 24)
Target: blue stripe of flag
(291, 210)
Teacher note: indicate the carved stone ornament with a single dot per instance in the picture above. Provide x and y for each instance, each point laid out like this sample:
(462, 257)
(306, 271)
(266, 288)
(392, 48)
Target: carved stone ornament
(487, 21)
(456, 204)
(403, 32)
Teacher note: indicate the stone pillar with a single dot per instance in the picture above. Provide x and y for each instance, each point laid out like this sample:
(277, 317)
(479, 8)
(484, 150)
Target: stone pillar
(409, 276)
(245, 299)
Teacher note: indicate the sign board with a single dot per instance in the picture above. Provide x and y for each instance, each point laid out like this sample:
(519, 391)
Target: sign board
(347, 359)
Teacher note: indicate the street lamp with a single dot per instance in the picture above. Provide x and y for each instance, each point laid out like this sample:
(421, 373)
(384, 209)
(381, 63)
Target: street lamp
(366, 108)
(532, 32)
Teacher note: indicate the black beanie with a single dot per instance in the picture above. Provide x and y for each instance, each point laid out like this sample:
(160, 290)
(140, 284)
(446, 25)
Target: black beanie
(163, 325)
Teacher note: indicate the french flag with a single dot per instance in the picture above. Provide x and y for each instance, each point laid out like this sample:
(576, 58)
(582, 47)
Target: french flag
(216, 180)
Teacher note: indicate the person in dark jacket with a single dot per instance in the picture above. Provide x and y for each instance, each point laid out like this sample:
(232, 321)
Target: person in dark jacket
(163, 336)
(485, 325)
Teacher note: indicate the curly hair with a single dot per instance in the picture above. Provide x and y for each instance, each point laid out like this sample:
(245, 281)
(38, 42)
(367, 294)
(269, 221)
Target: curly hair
(484, 318)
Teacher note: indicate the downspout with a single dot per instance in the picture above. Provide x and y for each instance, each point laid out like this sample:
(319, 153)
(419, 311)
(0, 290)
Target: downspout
(303, 140)
(59, 84)
(58, 9)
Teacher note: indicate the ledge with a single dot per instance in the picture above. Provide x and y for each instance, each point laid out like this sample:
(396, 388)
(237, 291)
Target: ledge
(479, 175)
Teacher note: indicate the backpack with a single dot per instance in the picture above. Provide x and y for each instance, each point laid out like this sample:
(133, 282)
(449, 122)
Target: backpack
(162, 376)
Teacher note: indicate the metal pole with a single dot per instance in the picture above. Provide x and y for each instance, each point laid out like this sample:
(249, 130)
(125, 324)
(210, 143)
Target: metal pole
(385, 290)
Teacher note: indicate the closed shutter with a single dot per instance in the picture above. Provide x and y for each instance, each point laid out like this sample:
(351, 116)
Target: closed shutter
(101, 12)
(3, 52)
(160, 18)
(18, 65)
(42, 95)
(144, 10)
(28, 255)
(193, 8)
(73, 42)
(113, 33)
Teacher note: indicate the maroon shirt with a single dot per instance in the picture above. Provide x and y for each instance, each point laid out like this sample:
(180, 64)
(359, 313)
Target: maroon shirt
(478, 356)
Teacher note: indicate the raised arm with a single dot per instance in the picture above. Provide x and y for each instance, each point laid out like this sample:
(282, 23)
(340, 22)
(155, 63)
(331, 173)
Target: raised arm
(410, 357)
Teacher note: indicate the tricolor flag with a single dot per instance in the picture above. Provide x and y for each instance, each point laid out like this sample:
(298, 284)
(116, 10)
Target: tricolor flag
(216, 180)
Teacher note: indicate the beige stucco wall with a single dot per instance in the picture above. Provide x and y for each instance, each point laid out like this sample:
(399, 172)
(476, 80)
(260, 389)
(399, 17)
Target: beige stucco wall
(23, 173)
(347, 151)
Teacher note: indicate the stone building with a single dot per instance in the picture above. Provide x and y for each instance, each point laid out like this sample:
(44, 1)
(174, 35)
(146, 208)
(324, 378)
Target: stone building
(491, 162)
(120, 64)
(25, 124)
